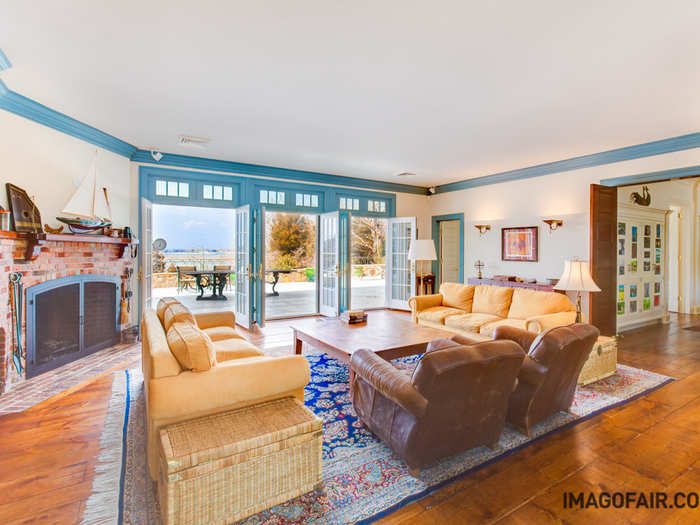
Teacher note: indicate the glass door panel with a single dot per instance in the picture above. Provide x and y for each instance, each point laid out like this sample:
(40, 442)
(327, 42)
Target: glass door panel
(329, 261)
(401, 280)
(242, 307)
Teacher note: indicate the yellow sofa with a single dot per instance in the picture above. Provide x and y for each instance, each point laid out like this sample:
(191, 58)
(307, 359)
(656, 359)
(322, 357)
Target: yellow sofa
(477, 310)
(233, 372)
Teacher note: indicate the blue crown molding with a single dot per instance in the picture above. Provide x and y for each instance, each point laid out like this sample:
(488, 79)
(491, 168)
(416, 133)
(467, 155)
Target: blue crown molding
(201, 163)
(27, 108)
(4, 61)
(3, 89)
(648, 149)
(654, 176)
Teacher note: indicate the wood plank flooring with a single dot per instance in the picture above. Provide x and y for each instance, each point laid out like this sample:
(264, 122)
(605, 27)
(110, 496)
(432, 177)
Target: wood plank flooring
(47, 453)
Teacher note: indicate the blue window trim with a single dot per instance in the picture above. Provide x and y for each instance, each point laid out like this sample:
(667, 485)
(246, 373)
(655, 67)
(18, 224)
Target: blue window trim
(436, 220)
(246, 191)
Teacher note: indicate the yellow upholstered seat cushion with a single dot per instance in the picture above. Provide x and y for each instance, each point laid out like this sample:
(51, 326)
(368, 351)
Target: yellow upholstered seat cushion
(494, 300)
(469, 322)
(457, 295)
(234, 349)
(192, 348)
(163, 304)
(437, 314)
(177, 313)
(219, 333)
(531, 303)
(488, 328)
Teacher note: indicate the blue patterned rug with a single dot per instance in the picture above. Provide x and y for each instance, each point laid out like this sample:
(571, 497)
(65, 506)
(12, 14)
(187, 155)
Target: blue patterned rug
(362, 479)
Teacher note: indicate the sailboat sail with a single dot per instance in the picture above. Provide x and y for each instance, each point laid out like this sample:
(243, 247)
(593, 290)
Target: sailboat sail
(90, 204)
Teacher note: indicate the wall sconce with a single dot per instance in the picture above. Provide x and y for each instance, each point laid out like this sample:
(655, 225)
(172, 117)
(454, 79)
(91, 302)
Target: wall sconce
(554, 224)
(483, 228)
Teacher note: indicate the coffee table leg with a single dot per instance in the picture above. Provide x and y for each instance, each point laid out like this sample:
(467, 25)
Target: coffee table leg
(297, 345)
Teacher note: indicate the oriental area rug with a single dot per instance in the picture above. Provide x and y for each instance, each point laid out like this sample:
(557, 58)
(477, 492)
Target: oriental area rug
(362, 479)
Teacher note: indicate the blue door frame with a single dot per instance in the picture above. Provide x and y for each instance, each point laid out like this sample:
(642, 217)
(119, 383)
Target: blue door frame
(247, 190)
(436, 220)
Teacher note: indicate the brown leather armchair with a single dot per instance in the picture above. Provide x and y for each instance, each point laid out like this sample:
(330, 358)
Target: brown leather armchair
(547, 380)
(456, 399)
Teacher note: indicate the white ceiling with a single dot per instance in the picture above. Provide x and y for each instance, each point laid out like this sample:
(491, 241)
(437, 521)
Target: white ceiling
(446, 89)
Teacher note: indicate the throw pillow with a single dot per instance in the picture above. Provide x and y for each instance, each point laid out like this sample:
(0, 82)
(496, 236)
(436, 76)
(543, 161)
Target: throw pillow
(192, 348)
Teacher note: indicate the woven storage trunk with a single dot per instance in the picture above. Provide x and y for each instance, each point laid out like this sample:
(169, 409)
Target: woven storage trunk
(225, 467)
(602, 362)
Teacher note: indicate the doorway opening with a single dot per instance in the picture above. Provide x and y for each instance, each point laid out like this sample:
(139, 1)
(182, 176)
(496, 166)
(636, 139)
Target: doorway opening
(368, 263)
(189, 239)
(290, 265)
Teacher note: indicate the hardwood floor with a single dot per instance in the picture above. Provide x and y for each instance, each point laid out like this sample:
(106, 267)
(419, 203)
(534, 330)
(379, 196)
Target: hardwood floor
(47, 453)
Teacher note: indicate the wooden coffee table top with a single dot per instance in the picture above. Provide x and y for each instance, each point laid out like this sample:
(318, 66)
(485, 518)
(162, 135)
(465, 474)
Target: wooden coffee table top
(389, 334)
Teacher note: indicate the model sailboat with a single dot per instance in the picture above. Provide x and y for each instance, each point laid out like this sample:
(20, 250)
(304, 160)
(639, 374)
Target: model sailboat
(89, 206)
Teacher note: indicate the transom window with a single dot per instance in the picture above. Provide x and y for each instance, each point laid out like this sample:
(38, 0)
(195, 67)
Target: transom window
(347, 203)
(271, 197)
(308, 200)
(173, 188)
(376, 206)
(217, 193)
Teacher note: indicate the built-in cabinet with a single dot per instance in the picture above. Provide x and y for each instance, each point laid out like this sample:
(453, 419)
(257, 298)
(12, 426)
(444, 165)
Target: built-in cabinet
(641, 273)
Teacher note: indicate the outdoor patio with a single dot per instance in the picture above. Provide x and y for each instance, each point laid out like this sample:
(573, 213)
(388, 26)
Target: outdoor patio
(294, 299)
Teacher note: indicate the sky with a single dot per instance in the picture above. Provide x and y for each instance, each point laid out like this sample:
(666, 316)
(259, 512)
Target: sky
(188, 227)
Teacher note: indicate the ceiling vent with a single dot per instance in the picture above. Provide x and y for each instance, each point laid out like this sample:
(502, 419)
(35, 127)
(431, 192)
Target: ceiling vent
(191, 141)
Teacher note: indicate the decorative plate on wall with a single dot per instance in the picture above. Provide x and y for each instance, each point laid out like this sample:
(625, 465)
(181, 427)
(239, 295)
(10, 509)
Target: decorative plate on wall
(519, 244)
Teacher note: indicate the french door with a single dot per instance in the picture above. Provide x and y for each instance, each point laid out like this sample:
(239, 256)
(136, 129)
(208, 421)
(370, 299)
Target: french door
(146, 252)
(329, 264)
(243, 250)
(401, 279)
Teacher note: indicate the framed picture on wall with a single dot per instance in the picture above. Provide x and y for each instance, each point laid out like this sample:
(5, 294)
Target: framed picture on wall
(519, 244)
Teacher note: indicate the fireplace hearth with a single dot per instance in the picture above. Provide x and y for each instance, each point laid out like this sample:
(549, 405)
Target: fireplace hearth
(69, 318)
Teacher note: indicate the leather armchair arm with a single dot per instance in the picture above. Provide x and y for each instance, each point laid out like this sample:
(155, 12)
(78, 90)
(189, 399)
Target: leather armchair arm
(389, 381)
(511, 333)
(532, 372)
(212, 319)
(540, 323)
(227, 383)
(419, 303)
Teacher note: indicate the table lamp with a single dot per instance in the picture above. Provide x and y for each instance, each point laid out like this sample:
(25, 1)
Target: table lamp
(422, 250)
(577, 278)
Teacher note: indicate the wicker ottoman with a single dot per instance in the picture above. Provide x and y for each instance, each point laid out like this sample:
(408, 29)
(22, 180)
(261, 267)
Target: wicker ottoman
(225, 467)
(602, 362)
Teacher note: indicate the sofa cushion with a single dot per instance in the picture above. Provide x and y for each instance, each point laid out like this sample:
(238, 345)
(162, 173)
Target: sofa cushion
(177, 313)
(163, 305)
(469, 322)
(437, 314)
(488, 328)
(191, 347)
(457, 295)
(234, 349)
(219, 333)
(530, 303)
(494, 300)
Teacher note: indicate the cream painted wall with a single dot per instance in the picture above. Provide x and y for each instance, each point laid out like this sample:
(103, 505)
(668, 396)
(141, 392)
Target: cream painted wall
(527, 202)
(49, 165)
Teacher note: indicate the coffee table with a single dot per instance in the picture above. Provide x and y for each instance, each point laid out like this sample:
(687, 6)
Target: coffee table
(388, 334)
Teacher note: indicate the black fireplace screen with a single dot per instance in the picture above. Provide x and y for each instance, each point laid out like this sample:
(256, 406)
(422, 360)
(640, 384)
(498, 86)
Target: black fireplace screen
(69, 318)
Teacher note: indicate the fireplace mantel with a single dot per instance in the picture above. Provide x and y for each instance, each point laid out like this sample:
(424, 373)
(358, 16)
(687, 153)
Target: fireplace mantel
(36, 240)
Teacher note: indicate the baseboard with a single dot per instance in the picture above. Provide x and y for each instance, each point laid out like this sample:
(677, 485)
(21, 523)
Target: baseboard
(641, 324)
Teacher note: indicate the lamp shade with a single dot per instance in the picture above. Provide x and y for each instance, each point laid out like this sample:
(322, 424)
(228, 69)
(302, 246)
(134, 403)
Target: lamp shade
(576, 277)
(422, 250)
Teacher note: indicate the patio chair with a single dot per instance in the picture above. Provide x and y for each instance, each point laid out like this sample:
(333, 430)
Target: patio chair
(229, 281)
(185, 281)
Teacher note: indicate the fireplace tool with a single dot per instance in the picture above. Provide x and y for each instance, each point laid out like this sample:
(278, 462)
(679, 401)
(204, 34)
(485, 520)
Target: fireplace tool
(16, 307)
(125, 306)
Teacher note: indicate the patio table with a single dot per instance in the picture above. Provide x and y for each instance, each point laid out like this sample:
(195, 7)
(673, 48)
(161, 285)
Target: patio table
(217, 279)
(275, 279)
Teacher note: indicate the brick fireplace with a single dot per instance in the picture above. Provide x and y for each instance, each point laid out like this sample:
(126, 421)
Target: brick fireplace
(87, 272)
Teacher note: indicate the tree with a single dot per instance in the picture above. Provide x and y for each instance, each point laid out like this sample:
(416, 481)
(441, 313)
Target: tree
(368, 240)
(290, 240)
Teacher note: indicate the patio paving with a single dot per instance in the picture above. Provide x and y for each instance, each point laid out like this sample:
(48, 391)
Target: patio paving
(293, 299)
